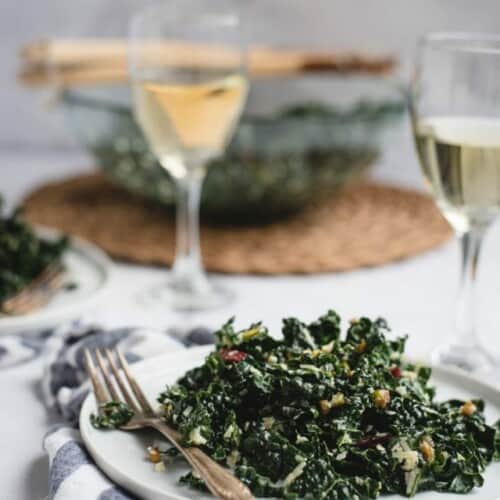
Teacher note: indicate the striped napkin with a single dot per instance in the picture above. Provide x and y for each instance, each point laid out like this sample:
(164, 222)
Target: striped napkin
(72, 473)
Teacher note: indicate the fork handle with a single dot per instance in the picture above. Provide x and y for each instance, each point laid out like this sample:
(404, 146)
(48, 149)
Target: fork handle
(219, 480)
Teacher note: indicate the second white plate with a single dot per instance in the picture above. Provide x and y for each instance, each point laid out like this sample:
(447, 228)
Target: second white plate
(88, 267)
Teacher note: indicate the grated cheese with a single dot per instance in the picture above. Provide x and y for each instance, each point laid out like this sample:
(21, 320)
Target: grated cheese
(268, 422)
(196, 438)
(407, 457)
(159, 467)
(294, 474)
(229, 432)
(233, 458)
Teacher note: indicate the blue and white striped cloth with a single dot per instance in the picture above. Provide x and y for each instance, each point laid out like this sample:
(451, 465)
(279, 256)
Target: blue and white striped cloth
(72, 473)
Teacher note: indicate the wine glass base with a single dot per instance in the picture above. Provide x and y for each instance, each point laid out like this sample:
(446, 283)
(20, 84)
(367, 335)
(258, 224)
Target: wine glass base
(179, 297)
(469, 358)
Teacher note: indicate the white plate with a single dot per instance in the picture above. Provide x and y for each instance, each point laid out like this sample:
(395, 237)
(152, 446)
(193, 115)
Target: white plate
(88, 267)
(121, 455)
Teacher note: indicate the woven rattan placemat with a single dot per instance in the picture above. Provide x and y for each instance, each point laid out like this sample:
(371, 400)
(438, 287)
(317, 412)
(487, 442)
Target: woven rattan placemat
(363, 225)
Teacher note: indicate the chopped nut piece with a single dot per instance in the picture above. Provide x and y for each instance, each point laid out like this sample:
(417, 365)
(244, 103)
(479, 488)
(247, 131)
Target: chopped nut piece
(348, 370)
(325, 406)
(354, 321)
(381, 398)
(361, 347)
(427, 449)
(337, 400)
(154, 455)
(468, 409)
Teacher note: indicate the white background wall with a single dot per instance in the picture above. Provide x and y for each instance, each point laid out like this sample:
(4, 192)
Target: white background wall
(392, 25)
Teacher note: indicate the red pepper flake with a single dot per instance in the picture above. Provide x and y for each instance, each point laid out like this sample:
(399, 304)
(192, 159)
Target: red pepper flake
(396, 371)
(232, 355)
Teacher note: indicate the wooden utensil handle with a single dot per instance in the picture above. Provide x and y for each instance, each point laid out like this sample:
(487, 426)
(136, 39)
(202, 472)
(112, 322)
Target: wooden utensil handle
(67, 52)
(70, 77)
(73, 51)
(71, 62)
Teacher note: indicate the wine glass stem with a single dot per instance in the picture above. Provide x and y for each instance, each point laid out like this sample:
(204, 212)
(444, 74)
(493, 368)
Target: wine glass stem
(466, 332)
(187, 271)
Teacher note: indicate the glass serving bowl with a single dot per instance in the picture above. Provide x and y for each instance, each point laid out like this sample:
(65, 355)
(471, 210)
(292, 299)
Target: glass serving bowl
(299, 140)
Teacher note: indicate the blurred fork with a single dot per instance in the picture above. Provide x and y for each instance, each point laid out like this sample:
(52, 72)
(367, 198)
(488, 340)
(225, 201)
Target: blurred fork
(37, 293)
(120, 385)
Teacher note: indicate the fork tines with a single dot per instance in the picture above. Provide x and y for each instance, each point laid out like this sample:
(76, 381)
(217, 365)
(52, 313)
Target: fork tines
(113, 381)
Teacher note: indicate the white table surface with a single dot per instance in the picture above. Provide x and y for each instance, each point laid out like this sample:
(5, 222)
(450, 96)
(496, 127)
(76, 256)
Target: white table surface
(416, 296)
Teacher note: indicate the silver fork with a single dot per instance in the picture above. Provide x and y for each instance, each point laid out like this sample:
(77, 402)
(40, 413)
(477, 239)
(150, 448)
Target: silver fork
(37, 293)
(120, 385)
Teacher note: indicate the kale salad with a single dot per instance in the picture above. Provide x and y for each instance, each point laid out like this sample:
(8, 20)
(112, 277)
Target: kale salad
(317, 414)
(23, 255)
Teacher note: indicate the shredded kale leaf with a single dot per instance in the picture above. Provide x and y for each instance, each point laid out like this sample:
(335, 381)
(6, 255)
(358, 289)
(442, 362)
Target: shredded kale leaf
(318, 415)
(194, 482)
(23, 255)
(112, 415)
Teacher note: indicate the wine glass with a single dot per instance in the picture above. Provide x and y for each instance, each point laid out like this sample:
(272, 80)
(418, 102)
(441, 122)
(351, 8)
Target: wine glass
(187, 68)
(455, 106)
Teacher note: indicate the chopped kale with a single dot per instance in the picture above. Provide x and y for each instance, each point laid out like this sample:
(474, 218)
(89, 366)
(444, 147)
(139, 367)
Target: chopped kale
(197, 483)
(112, 415)
(23, 255)
(319, 415)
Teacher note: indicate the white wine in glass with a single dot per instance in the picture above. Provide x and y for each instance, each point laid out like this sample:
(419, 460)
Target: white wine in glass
(190, 122)
(455, 109)
(187, 68)
(460, 159)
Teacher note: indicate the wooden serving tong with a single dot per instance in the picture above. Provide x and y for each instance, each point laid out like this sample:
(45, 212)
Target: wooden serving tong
(70, 62)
